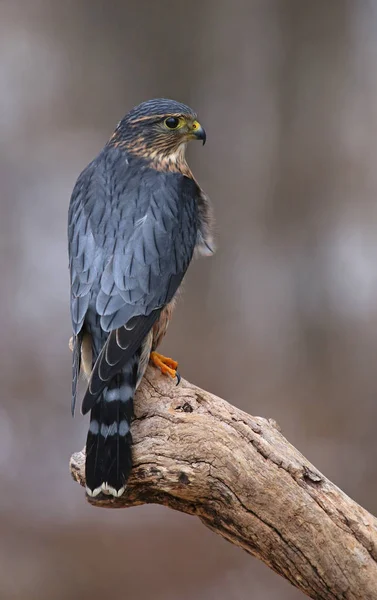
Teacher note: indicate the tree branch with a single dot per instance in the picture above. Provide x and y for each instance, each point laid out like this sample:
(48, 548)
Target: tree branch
(196, 453)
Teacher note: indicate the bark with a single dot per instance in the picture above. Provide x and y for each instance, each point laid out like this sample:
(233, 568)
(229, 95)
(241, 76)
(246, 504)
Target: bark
(196, 453)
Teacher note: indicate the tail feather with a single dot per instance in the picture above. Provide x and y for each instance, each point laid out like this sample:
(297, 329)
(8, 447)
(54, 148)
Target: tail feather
(108, 445)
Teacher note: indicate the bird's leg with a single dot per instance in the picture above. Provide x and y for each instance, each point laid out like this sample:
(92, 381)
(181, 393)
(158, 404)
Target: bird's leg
(167, 366)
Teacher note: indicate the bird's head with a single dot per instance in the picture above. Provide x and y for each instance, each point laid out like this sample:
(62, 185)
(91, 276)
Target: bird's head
(158, 129)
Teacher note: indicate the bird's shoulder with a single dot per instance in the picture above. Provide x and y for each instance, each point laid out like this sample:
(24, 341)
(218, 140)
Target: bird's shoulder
(135, 172)
(115, 175)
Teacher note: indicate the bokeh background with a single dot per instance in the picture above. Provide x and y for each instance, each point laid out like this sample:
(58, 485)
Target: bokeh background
(282, 321)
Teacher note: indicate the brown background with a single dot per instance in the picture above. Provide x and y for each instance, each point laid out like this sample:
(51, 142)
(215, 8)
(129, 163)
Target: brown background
(282, 321)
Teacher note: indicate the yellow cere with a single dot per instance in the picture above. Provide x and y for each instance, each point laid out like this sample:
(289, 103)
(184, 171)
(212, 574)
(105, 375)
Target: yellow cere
(195, 125)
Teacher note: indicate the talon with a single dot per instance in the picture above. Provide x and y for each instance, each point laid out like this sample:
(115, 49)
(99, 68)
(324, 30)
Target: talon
(167, 366)
(178, 376)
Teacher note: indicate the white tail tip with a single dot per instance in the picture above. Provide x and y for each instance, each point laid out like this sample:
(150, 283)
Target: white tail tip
(105, 488)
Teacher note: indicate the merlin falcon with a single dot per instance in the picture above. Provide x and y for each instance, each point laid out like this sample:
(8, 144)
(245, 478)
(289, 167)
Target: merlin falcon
(136, 218)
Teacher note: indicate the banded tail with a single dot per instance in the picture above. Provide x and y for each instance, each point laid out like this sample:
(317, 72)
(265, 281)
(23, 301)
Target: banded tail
(108, 445)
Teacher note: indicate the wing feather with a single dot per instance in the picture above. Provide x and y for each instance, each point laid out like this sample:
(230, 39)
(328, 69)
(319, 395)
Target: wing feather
(132, 234)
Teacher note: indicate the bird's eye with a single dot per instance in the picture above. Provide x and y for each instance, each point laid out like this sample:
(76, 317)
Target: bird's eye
(172, 122)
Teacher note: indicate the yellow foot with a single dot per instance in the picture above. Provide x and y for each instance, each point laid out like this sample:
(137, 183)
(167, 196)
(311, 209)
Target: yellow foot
(167, 366)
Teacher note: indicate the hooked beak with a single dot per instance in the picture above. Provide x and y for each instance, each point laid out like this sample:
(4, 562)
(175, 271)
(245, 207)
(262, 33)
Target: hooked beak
(198, 132)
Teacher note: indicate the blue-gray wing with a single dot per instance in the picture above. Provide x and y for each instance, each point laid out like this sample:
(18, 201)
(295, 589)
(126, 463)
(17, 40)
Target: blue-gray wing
(132, 233)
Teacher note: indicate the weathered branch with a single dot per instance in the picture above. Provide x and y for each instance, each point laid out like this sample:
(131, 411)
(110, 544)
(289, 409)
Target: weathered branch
(198, 454)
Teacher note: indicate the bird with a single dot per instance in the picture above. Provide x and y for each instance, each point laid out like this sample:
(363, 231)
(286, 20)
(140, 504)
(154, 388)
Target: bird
(137, 217)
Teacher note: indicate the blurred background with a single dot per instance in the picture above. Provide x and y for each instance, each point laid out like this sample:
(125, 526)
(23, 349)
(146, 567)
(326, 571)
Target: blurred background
(282, 321)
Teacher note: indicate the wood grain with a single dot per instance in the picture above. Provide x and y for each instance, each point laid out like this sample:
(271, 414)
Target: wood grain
(198, 454)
